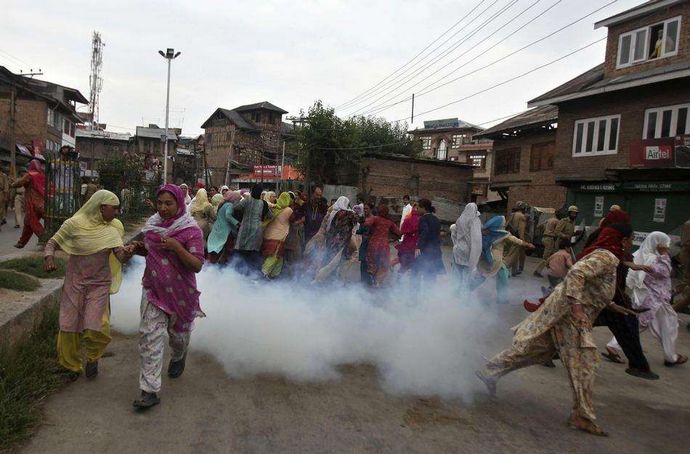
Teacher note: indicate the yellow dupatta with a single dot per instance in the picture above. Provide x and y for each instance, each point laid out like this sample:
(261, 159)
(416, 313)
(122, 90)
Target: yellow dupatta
(87, 233)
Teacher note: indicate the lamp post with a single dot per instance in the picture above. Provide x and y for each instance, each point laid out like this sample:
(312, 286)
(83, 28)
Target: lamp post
(169, 55)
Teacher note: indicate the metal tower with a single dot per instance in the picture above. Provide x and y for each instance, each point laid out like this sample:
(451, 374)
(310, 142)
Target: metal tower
(95, 79)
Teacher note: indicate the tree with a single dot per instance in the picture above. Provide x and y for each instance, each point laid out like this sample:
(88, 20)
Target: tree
(329, 148)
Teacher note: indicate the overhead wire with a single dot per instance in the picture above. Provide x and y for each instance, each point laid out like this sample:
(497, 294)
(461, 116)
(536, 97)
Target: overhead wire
(424, 90)
(507, 80)
(464, 40)
(413, 58)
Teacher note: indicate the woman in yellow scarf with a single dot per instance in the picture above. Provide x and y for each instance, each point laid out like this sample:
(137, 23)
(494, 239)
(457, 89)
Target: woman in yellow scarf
(275, 234)
(202, 212)
(93, 239)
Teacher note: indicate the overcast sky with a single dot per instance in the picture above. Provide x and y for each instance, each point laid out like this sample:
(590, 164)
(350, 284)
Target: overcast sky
(294, 52)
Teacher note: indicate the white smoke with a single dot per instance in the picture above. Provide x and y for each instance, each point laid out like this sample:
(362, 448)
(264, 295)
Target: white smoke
(426, 341)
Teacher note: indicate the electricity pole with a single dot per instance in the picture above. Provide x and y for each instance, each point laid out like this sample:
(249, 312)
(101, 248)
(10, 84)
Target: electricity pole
(169, 55)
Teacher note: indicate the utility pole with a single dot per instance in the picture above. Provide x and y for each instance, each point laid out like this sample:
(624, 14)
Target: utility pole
(412, 119)
(169, 55)
(282, 169)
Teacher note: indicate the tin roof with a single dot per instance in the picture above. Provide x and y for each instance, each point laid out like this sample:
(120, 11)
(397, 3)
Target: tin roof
(531, 118)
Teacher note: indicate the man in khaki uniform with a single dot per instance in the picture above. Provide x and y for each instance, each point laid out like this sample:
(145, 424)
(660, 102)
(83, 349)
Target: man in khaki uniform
(565, 228)
(517, 225)
(548, 239)
(4, 195)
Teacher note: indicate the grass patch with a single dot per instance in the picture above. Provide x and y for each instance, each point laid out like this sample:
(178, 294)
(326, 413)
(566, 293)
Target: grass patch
(13, 280)
(29, 371)
(33, 266)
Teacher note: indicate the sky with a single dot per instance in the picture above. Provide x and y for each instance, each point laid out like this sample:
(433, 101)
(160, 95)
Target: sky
(292, 53)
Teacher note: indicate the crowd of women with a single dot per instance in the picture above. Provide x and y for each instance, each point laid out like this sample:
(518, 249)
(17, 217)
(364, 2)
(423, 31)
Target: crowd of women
(270, 236)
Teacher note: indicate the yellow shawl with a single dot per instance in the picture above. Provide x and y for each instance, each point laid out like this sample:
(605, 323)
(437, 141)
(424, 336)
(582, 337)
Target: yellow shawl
(87, 233)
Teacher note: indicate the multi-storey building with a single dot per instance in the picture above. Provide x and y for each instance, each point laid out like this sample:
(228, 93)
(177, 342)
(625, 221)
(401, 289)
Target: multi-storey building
(453, 139)
(96, 145)
(523, 149)
(238, 139)
(624, 126)
(149, 142)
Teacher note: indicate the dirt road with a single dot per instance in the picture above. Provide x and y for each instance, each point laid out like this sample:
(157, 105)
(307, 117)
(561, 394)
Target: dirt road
(205, 411)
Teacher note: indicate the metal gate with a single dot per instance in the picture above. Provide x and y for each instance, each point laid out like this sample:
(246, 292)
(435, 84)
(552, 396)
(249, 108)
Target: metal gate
(63, 191)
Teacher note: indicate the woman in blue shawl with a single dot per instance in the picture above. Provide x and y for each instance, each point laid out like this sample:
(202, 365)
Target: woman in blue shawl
(494, 237)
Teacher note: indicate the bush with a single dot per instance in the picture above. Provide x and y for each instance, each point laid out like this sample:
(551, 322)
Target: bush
(29, 371)
(33, 266)
(13, 280)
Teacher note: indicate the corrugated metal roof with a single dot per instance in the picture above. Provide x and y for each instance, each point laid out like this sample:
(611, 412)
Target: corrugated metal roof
(579, 83)
(154, 133)
(533, 117)
(233, 116)
(107, 135)
(260, 105)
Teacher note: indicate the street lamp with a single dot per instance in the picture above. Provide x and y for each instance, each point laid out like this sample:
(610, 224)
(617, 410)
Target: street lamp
(169, 55)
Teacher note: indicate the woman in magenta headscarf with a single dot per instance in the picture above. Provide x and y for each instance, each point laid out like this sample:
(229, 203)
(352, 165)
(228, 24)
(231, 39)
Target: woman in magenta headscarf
(174, 249)
(34, 182)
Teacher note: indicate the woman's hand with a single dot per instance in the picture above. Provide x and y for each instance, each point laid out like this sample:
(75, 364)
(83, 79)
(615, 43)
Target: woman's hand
(171, 244)
(581, 320)
(621, 310)
(49, 263)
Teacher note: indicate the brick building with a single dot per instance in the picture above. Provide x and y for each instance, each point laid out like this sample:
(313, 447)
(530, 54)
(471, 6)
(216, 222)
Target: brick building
(149, 142)
(623, 126)
(239, 139)
(36, 112)
(454, 140)
(96, 145)
(393, 176)
(523, 149)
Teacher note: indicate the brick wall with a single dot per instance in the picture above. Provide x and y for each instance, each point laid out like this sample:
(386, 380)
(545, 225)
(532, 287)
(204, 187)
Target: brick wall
(31, 121)
(537, 188)
(631, 105)
(667, 13)
(388, 178)
(92, 150)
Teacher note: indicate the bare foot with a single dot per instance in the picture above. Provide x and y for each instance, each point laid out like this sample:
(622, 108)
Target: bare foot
(585, 425)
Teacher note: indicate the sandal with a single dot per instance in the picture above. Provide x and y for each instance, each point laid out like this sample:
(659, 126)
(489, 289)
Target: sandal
(612, 356)
(682, 359)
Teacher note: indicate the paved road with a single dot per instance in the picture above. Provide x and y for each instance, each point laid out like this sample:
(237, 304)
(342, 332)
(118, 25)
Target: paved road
(8, 238)
(206, 411)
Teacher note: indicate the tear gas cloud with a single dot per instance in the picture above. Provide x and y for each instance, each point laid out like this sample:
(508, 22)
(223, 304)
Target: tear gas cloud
(427, 341)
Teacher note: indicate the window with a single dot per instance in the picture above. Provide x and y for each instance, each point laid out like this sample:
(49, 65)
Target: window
(541, 156)
(596, 136)
(507, 161)
(478, 160)
(256, 117)
(442, 152)
(66, 127)
(669, 121)
(426, 143)
(460, 139)
(659, 40)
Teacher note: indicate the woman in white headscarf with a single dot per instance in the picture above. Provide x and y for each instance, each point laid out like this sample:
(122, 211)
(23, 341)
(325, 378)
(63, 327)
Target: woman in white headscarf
(336, 231)
(466, 235)
(651, 291)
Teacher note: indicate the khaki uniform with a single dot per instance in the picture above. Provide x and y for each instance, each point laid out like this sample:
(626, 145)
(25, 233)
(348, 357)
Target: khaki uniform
(565, 229)
(518, 226)
(591, 283)
(548, 239)
(19, 206)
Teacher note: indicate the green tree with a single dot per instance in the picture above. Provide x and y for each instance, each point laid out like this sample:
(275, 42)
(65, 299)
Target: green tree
(329, 148)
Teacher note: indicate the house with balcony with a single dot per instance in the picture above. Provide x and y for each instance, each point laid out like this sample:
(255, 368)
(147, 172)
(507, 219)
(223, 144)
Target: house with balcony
(623, 132)
(523, 149)
(453, 139)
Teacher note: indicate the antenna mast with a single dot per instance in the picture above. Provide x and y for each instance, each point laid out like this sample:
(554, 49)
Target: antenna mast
(95, 79)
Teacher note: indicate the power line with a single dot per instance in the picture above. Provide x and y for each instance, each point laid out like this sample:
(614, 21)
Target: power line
(423, 92)
(361, 148)
(413, 58)
(16, 59)
(483, 53)
(458, 43)
(507, 80)
(431, 53)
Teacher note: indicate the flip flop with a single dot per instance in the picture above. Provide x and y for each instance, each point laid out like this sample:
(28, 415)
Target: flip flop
(682, 359)
(612, 356)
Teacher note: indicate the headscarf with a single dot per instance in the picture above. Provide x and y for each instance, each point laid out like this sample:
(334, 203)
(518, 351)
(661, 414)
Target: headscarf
(232, 197)
(647, 254)
(611, 239)
(341, 204)
(615, 217)
(38, 176)
(467, 237)
(200, 202)
(187, 197)
(283, 202)
(495, 232)
(180, 221)
(216, 200)
(257, 191)
(223, 188)
(87, 233)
